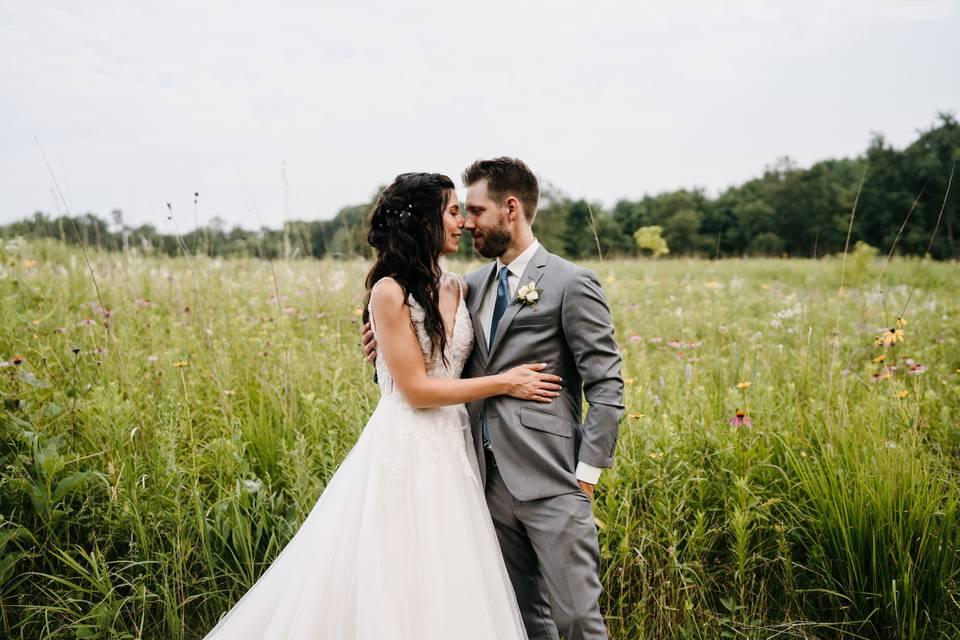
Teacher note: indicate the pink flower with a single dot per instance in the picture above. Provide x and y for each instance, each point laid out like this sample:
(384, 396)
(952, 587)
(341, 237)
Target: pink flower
(143, 302)
(693, 344)
(675, 344)
(740, 419)
(916, 369)
(88, 322)
(656, 340)
(634, 338)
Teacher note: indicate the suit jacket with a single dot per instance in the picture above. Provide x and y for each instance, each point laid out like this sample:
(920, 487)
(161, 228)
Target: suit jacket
(536, 445)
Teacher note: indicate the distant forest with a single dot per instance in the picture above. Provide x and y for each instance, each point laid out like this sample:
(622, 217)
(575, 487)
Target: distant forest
(786, 211)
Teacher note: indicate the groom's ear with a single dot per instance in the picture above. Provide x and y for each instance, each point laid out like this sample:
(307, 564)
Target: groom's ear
(514, 208)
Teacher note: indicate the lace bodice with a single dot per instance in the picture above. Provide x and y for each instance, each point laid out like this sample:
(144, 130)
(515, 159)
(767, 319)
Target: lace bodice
(457, 349)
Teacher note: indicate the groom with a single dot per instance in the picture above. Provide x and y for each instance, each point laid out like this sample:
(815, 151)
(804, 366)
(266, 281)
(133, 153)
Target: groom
(539, 463)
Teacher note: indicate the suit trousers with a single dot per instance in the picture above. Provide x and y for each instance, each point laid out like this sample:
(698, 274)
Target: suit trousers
(552, 554)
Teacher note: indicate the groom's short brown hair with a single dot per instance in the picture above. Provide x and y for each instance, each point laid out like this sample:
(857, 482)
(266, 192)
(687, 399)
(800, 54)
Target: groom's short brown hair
(507, 177)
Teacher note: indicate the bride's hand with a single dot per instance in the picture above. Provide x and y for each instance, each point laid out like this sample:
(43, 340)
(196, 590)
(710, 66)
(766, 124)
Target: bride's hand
(527, 383)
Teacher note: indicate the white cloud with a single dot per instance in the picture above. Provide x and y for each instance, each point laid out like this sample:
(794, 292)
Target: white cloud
(137, 106)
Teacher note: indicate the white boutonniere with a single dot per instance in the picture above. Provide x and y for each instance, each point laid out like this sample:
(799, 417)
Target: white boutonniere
(528, 294)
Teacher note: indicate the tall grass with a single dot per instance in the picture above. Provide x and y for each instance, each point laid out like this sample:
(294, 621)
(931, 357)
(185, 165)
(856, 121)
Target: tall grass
(140, 497)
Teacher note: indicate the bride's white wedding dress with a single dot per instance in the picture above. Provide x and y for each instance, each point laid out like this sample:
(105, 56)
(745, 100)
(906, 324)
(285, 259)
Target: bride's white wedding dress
(400, 544)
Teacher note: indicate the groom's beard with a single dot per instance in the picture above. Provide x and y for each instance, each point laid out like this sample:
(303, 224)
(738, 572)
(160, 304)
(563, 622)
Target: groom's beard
(494, 243)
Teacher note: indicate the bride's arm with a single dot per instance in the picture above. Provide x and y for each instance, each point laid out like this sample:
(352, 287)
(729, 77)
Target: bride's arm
(403, 356)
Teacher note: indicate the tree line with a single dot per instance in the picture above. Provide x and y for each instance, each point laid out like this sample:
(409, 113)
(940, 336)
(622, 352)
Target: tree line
(786, 211)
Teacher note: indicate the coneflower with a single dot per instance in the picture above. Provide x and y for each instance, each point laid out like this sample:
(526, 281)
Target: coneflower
(740, 419)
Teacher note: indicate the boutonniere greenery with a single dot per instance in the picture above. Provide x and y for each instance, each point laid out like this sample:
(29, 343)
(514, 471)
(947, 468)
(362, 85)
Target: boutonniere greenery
(528, 294)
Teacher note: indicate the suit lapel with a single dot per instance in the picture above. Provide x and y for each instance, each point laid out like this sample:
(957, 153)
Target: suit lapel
(533, 272)
(474, 309)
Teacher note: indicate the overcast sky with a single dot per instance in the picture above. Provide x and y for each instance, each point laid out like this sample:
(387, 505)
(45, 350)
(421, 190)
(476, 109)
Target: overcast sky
(135, 106)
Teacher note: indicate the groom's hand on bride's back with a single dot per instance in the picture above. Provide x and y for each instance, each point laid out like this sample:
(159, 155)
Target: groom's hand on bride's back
(368, 343)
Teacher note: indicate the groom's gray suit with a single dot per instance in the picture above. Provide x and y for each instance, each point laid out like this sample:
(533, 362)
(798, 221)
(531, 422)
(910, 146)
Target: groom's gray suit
(544, 521)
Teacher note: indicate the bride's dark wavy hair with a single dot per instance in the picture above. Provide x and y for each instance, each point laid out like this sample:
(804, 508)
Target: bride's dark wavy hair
(406, 229)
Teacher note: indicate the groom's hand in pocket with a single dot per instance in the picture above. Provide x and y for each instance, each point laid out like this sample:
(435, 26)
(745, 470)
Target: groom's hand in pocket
(587, 488)
(369, 343)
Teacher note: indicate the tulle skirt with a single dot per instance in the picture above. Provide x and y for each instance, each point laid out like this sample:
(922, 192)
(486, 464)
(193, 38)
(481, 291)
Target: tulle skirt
(400, 545)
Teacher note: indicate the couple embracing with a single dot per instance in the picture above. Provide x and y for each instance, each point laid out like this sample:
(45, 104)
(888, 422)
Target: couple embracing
(464, 511)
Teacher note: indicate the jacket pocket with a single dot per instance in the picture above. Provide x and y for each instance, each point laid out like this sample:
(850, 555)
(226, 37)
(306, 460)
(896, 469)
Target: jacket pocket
(534, 321)
(545, 422)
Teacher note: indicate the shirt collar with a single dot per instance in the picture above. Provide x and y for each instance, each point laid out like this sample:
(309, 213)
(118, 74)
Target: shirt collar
(519, 264)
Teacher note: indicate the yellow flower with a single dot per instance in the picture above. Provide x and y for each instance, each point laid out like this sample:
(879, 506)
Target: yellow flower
(903, 393)
(880, 358)
(712, 284)
(29, 264)
(635, 416)
(654, 456)
(892, 336)
(357, 311)
(629, 381)
(901, 322)
(179, 364)
(743, 385)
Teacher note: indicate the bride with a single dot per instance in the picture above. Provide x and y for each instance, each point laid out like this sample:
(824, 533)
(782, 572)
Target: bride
(400, 544)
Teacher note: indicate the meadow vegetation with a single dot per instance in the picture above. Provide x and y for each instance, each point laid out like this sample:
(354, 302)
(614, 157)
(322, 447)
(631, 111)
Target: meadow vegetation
(787, 468)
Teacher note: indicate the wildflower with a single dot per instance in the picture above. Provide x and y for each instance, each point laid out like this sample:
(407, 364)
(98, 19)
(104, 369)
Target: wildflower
(75, 350)
(675, 344)
(712, 284)
(634, 338)
(693, 344)
(88, 322)
(5, 363)
(655, 456)
(891, 336)
(629, 381)
(901, 322)
(179, 364)
(903, 393)
(880, 358)
(635, 416)
(143, 302)
(743, 385)
(680, 355)
(29, 264)
(916, 369)
(60, 330)
(740, 419)
(18, 360)
(357, 311)
(656, 340)
(722, 330)
(152, 358)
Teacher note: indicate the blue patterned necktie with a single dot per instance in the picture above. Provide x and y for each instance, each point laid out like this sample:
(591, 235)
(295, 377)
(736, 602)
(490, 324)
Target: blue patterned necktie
(498, 308)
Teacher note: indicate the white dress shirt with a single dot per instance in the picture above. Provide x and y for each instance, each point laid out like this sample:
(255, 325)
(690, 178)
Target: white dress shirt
(585, 472)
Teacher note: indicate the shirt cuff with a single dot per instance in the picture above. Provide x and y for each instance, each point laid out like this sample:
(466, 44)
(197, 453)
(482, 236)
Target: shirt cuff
(588, 473)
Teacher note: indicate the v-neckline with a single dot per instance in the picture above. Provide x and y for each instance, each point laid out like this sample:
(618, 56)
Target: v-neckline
(456, 315)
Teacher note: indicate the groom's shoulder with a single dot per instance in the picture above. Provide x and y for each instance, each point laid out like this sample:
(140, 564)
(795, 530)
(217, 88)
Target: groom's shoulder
(567, 270)
(474, 277)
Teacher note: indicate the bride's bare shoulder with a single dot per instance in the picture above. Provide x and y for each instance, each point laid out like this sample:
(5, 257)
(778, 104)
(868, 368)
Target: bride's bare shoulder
(387, 293)
(453, 281)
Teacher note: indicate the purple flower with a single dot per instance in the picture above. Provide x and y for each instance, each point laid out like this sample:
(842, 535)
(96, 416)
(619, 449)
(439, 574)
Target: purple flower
(740, 419)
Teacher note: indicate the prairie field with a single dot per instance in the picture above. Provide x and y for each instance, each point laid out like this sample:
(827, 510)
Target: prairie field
(787, 468)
